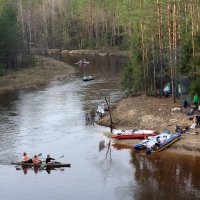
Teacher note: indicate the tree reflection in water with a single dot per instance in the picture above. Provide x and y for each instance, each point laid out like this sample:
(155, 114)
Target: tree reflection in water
(166, 176)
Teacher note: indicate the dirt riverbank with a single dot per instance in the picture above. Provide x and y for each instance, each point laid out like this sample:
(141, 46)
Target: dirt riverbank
(153, 113)
(44, 71)
(131, 113)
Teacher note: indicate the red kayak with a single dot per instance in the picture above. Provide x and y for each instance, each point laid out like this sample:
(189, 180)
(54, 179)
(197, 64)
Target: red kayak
(133, 134)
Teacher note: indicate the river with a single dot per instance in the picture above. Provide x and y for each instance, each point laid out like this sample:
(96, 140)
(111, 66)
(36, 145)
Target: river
(51, 120)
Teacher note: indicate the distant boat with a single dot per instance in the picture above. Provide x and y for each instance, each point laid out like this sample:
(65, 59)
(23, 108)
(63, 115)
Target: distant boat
(82, 62)
(88, 78)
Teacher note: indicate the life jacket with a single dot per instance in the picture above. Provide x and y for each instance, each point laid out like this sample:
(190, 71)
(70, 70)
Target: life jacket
(36, 161)
(25, 158)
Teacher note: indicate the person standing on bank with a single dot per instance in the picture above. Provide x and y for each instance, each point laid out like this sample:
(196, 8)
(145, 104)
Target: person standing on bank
(196, 101)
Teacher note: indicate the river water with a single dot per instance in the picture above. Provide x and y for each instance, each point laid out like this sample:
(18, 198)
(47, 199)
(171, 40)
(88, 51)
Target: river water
(51, 119)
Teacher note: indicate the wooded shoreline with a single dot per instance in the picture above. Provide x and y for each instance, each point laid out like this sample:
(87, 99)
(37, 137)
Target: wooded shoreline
(44, 70)
(133, 112)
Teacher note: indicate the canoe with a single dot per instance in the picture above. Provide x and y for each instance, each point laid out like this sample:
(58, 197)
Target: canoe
(151, 140)
(88, 78)
(133, 134)
(163, 145)
(82, 63)
(43, 165)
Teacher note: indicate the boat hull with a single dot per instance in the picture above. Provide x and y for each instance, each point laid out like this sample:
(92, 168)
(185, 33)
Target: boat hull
(133, 134)
(165, 144)
(50, 165)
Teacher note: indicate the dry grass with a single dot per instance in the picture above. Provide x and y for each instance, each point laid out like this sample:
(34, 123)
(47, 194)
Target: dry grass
(44, 71)
(152, 113)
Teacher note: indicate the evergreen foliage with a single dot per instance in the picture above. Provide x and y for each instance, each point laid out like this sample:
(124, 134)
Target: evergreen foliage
(11, 39)
(163, 36)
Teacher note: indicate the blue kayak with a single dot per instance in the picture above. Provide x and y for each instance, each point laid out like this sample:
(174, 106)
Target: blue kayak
(161, 146)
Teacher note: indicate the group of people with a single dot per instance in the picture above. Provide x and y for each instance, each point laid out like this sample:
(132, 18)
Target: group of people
(36, 159)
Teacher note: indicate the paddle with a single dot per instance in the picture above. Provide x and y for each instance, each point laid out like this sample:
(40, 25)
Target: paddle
(60, 157)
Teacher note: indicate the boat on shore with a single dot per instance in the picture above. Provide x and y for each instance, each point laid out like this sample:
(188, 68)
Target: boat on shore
(151, 140)
(163, 145)
(133, 134)
(42, 165)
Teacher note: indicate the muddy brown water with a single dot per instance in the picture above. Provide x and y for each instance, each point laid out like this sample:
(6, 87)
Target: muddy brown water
(51, 119)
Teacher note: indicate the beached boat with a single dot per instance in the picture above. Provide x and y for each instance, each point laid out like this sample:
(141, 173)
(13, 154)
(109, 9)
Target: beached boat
(151, 140)
(133, 134)
(163, 145)
(43, 165)
(88, 78)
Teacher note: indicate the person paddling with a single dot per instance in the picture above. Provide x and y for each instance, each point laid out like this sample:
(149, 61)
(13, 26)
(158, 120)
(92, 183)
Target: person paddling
(49, 159)
(26, 159)
(36, 160)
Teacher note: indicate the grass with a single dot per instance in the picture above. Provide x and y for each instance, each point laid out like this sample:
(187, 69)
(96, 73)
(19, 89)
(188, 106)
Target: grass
(45, 70)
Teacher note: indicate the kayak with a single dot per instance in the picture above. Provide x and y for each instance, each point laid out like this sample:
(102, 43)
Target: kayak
(88, 78)
(44, 165)
(133, 134)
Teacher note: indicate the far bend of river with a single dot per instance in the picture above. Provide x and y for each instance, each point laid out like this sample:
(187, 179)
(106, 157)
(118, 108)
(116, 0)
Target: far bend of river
(51, 120)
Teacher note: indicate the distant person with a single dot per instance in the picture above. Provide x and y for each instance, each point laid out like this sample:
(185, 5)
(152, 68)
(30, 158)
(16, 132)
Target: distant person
(26, 159)
(196, 119)
(49, 159)
(186, 104)
(196, 101)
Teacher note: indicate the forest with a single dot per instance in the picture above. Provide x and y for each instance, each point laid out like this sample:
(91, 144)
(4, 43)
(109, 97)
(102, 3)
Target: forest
(163, 36)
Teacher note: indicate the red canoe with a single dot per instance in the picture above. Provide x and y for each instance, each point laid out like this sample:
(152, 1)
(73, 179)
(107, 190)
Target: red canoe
(133, 134)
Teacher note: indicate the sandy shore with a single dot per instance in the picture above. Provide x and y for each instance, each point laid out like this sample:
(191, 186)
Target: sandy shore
(44, 71)
(130, 113)
(153, 113)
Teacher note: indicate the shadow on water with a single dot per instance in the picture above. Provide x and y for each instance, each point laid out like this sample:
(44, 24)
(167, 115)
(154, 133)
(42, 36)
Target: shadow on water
(166, 176)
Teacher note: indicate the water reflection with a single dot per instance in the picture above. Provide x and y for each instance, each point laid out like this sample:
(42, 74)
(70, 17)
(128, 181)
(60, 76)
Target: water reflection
(166, 176)
(52, 119)
(36, 170)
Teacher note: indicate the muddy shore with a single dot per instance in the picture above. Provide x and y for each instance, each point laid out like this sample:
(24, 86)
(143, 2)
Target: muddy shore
(130, 113)
(44, 71)
(153, 113)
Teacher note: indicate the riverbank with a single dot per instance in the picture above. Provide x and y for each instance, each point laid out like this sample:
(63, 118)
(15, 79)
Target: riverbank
(93, 52)
(45, 70)
(153, 113)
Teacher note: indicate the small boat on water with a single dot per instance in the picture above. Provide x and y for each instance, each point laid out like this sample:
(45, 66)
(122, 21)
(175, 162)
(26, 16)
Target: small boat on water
(163, 144)
(82, 62)
(133, 134)
(43, 165)
(88, 78)
(151, 140)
